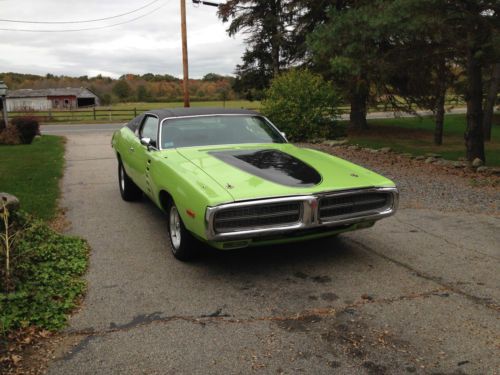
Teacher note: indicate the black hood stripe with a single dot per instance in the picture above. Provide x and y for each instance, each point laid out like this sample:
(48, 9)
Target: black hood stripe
(272, 165)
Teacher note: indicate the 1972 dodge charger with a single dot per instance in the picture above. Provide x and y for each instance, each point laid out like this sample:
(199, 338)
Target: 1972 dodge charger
(229, 178)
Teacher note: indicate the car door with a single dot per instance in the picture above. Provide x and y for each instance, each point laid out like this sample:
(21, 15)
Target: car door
(141, 154)
(129, 142)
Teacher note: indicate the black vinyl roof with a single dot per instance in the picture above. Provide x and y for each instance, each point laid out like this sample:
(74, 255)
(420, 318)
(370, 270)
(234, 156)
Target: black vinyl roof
(199, 111)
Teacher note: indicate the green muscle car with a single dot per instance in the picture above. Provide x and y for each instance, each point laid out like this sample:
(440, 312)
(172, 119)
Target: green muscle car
(230, 179)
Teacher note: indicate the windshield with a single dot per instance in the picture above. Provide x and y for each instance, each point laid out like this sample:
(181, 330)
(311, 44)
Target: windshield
(217, 130)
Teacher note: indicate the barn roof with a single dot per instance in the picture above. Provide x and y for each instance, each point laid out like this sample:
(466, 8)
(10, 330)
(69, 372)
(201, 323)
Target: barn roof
(79, 92)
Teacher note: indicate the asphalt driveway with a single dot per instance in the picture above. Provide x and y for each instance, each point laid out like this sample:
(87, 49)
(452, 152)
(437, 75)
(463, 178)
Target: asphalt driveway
(417, 293)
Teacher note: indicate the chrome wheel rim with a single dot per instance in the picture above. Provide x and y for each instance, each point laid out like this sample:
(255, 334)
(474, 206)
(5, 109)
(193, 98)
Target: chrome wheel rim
(175, 227)
(122, 178)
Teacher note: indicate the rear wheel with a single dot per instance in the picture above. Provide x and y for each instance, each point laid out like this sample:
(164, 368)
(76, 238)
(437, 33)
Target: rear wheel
(182, 243)
(128, 190)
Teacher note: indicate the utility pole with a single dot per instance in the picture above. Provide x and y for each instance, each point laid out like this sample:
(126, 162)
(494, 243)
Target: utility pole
(185, 65)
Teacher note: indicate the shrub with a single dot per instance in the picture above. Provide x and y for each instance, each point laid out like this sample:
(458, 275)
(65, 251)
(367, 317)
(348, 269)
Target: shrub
(28, 128)
(301, 104)
(9, 136)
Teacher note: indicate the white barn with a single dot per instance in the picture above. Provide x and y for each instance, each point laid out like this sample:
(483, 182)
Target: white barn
(47, 99)
(28, 103)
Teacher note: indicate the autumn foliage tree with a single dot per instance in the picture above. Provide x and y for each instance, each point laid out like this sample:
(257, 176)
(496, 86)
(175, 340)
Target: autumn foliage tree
(131, 87)
(122, 90)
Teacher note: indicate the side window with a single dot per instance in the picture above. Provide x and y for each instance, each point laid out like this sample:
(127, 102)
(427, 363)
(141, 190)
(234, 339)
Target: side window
(150, 129)
(135, 123)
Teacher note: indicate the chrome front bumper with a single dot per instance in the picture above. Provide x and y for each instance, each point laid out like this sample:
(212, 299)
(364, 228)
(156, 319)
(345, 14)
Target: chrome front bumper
(309, 217)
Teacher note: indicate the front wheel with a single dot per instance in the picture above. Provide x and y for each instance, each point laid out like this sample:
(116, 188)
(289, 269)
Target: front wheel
(128, 190)
(182, 243)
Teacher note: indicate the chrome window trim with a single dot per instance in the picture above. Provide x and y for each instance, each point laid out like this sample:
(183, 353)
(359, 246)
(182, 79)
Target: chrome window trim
(309, 216)
(216, 115)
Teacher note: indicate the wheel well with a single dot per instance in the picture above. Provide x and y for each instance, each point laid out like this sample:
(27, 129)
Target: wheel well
(165, 199)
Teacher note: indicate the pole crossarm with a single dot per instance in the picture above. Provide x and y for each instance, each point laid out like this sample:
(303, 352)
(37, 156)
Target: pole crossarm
(209, 3)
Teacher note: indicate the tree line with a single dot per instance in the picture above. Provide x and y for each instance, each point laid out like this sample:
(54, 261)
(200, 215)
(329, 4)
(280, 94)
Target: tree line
(405, 54)
(131, 87)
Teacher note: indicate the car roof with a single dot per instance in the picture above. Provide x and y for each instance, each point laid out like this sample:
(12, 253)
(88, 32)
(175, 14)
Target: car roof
(199, 111)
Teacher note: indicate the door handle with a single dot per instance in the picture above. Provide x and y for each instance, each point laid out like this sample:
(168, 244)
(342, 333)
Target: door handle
(131, 149)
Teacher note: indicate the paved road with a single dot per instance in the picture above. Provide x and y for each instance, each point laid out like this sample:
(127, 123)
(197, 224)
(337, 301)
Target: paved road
(67, 129)
(63, 129)
(417, 293)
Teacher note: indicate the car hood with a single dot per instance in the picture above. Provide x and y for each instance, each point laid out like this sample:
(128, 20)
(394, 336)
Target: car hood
(272, 170)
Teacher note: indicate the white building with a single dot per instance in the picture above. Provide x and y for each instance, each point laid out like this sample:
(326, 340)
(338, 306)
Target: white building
(47, 99)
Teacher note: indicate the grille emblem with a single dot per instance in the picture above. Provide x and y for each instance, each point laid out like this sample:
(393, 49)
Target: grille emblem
(354, 175)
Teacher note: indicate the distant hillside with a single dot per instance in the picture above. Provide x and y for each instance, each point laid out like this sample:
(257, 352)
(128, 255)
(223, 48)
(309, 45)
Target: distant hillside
(131, 87)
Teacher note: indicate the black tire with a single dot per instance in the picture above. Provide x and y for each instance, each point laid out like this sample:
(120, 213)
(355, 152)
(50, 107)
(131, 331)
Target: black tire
(128, 190)
(183, 245)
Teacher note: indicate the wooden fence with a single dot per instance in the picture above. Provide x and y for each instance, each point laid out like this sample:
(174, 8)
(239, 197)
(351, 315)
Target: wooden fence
(79, 115)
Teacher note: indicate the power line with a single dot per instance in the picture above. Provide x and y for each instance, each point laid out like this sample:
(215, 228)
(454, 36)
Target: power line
(82, 21)
(88, 28)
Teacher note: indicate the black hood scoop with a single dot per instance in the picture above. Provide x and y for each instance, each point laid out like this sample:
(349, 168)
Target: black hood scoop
(272, 165)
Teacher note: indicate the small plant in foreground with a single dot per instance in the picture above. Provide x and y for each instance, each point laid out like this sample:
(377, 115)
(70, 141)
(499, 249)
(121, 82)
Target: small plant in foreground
(7, 239)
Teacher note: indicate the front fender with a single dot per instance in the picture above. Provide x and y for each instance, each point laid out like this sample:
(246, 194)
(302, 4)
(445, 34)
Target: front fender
(191, 189)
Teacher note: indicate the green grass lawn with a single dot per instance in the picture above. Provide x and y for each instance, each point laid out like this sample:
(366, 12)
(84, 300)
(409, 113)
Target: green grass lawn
(415, 136)
(32, 173)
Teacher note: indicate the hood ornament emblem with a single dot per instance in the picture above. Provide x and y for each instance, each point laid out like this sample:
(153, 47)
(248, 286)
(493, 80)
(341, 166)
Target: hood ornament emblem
(229, 186)
(354, 175)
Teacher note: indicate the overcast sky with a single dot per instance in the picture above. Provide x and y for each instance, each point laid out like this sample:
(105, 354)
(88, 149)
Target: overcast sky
(151, 44)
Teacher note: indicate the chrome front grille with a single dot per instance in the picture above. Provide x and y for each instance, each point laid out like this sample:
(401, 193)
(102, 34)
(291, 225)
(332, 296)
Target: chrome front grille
(331, 207)
(257, 216)
(290, 215)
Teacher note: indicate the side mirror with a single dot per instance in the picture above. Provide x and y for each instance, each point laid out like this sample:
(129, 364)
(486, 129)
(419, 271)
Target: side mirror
(146, 142)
